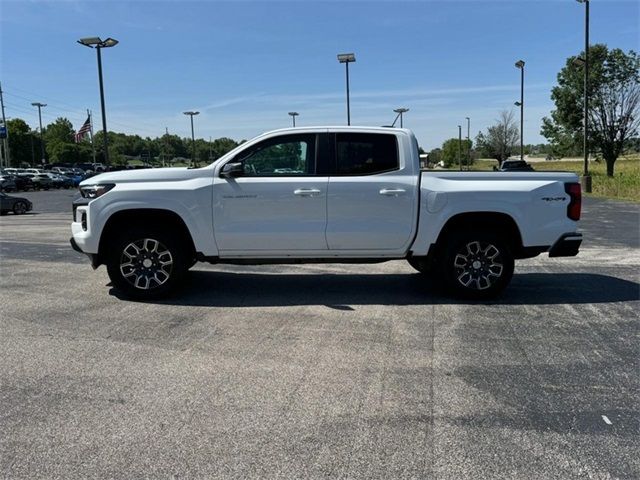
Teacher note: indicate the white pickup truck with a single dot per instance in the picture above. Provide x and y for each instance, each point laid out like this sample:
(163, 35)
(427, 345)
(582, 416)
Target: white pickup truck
(324, 194)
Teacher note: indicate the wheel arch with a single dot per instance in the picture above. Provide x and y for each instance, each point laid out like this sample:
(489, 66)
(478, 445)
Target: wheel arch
(153, 217)
(481, 220)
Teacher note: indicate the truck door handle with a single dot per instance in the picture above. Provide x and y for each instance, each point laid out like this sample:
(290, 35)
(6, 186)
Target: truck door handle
(392, 192)
(306, 192)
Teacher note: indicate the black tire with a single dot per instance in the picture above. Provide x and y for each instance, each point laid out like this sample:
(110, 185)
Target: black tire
(476, 265)
(154, 270)
(19, 208)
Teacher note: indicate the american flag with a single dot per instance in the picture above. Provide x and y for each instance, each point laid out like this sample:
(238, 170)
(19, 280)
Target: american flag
(84, 129)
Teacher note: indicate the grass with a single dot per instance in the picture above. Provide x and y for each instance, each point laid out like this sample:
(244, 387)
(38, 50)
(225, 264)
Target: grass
(624, 185)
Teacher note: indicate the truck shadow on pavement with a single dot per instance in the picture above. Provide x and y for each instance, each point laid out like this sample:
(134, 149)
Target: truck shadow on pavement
(229, 289)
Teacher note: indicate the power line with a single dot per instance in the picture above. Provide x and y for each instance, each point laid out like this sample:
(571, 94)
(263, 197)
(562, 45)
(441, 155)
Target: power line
(53, 116)
(56, 106)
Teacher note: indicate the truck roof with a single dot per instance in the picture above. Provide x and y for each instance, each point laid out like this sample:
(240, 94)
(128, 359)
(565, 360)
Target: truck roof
(341, 128)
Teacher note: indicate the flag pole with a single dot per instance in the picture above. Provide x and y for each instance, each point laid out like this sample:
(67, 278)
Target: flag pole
(93, 148)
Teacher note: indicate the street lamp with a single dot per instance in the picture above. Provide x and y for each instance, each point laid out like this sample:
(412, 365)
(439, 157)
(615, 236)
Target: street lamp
(520, 65)
(347, 58)
(460, 146)
(399, 111)
(193, 139)
(586, 178)
(468, 141)
(293, 117)
(40, 105)
(99, 44)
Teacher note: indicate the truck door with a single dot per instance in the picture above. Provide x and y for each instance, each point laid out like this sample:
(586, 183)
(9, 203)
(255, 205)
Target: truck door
(372, 199)
(278, 203)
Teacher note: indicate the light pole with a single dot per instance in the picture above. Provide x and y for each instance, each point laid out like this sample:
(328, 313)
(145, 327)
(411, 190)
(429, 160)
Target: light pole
(5, 140)
(99, 44)
(347, 58)
(193, 139)
(293, 117)
(40, 105)
(460, 146)
(399, 111)
(520, 65)
(468, 141)
(586, 178)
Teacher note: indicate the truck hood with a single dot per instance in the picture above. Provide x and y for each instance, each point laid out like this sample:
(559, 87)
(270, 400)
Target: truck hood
(148, 175)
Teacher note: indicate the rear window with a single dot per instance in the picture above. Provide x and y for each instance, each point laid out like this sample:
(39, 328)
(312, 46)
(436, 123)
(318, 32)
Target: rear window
(366, 153)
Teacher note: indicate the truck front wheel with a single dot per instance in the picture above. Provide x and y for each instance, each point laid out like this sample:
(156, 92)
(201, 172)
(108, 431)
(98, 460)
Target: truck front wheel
(145, 263)
(477, 265)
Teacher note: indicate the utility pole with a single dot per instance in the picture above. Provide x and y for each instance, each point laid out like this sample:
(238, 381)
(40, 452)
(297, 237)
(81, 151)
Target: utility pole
(210, 151)
(40, 105)
(347, 58)
(99, 44)
(400, 112)
(520, 65)
(460, 146)
(5, 140)
(586, 178)
(194, 163)
(468, 142)
(166, 147)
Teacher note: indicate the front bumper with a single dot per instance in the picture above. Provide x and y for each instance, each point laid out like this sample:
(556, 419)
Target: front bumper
(95, 261)
(568, 245)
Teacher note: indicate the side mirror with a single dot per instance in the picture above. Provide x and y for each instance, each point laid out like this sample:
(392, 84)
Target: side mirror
(232, 169)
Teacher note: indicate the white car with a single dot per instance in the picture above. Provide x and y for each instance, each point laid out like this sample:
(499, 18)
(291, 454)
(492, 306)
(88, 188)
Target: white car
(351, 194)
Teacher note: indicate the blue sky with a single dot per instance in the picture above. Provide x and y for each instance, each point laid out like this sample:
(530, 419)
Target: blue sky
(244, 65)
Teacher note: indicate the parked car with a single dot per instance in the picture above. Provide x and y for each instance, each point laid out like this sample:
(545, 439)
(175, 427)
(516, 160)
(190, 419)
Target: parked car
(23, 182)
(67, 181)
(7, 184)
(75, 178)
(361, 197)
(16, 205)
(60, 181)
(515, 166)
(40, 181)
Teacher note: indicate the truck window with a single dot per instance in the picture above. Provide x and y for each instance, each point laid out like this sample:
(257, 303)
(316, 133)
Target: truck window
(290, 155)
(366, 153)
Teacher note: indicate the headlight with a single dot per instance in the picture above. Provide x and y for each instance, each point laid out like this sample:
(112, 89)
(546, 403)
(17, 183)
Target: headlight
(94, 191)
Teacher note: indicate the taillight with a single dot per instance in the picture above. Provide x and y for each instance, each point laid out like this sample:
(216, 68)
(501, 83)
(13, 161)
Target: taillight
(575, 204)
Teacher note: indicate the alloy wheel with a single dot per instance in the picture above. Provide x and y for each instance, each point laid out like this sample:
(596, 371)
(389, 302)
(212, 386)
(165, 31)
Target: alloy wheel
(478, 265)
(19, 208)
(146, 263)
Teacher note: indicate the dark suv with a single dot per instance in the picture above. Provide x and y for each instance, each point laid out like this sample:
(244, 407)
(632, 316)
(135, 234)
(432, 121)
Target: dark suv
(515, 166)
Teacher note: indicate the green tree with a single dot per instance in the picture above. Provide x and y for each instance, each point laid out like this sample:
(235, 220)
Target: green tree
(614, 103)
(500, 139)
(23, 143)
(223, 145)
(435, 156)
(59, 141)
(454, 151)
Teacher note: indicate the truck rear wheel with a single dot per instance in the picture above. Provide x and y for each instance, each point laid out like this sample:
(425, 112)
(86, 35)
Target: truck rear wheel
(477, 265)
(146, 264)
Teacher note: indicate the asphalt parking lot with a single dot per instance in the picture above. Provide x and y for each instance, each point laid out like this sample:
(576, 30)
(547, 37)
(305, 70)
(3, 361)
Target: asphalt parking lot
(360, 371)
